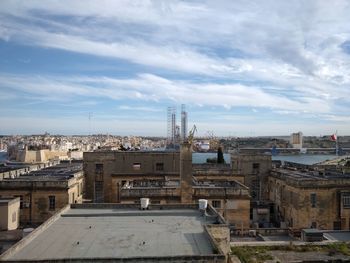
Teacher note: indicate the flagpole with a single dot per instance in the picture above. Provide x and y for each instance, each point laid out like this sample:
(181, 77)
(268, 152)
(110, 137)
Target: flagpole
(336, 143)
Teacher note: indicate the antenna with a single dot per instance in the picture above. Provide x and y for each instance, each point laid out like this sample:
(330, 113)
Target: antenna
(90, 117)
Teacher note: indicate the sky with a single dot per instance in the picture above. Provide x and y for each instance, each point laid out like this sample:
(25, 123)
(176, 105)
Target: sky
(243, 68)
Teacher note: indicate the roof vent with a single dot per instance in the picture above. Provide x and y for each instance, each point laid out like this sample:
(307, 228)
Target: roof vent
(144, 203)
(203, 203)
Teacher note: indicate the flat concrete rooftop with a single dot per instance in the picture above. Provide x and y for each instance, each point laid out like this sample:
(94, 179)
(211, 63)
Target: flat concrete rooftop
(119, 233)
(59, 172)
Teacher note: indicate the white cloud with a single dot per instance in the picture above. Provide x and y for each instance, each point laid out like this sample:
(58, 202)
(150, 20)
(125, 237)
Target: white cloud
(279, 55)
(148, 87)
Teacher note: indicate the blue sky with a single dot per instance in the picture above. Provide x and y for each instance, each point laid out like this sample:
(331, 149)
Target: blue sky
(243, 68)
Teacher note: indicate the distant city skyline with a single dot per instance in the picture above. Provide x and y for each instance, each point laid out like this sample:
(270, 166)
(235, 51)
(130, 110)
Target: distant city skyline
(242, 68)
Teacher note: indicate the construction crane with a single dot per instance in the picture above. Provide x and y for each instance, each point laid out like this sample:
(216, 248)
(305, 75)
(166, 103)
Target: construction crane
(191, 134)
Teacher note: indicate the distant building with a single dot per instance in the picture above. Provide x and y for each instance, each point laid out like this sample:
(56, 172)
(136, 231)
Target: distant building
(296, 140)
(42, 193)
(39, 156)
(171, 126)
(125, 233)
(308, 200)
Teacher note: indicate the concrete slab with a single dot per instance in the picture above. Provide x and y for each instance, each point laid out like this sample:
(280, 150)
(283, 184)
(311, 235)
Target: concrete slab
(104, 233)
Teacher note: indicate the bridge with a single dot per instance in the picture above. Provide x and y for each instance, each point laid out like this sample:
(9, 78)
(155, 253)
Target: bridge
(276, 151)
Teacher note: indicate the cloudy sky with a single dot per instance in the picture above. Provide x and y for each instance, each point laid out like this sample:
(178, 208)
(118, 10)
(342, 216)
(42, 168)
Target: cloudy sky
(243, 68)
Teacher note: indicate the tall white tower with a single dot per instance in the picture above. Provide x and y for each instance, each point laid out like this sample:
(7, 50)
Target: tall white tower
(171, 125)
(183, 123)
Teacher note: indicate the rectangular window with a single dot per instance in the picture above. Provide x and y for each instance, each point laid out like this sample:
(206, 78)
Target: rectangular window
(216, 203)
(159, 166)
(313, 200)
(52, 202)
(98, 172)
(73, 198)
(136, 166)
(99, 168)
(346, 201)
(256, 166)
(78, 189)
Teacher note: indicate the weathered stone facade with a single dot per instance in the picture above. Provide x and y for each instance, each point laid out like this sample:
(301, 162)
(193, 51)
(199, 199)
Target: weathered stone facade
(304, 200)
(165, 178)
(255, 169)
(43, 193)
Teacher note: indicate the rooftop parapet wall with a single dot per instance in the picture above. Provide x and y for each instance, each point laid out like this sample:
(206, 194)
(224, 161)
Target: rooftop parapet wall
(198, 192)
(222, 192)
(112, 155)
(309, 181)
(19, 184)
(212, 170)
(14, 172)
(150, 192)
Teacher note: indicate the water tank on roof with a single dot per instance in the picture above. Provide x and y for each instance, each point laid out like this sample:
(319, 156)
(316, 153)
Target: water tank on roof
(203, 203)
(144, 203)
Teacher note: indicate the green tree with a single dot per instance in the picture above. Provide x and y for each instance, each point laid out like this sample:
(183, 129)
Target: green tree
(220, 155)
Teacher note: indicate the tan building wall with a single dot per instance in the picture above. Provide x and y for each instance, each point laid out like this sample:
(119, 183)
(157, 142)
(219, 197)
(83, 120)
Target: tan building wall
(101, 167)
(39, 156)
(255, 168)
(235, 211)
(305, 207)
(107, 172)
(35, 203)
(9, 211)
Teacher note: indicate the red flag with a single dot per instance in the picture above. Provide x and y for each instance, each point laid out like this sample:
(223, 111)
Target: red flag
(334, 137)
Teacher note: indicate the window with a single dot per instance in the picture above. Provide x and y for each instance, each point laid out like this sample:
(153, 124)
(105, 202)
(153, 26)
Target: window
(14, 217)
(99, 168)
(99, 172)
(52, 202)
(73, 198)
(255, 189)
(159, 166)
(256, 166)
(136, 166)
(337, 225)
(78, 189)
(216, 203)
(313, 200)
(346, 201)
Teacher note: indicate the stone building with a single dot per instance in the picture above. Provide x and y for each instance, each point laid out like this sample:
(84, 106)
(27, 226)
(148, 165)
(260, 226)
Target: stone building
(305, 199)
(43, 192)
(165, 178)
(254, 169)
